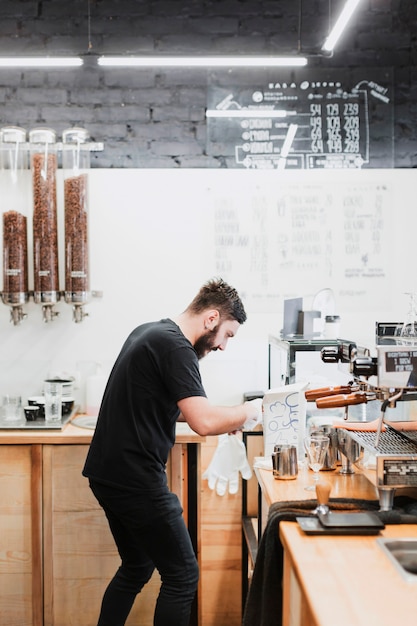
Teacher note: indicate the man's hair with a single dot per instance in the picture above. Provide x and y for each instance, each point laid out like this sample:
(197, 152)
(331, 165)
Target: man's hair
(216, 294)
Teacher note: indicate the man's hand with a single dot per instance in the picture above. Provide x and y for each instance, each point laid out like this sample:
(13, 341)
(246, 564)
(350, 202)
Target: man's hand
(253, 413)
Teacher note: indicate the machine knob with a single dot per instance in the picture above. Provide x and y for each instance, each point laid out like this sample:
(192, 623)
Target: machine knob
(365, 366)
(330, 354)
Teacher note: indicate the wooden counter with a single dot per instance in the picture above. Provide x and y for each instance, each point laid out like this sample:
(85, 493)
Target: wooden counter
(56, 552)
(342, 486)
(71, 434)
(344, 581)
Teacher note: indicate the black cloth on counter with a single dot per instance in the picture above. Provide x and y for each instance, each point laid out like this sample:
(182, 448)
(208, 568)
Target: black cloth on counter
(264, 600)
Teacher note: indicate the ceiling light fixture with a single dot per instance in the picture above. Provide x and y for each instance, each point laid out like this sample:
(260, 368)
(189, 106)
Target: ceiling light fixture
(202, 61)
(40, 61)
(340, 25)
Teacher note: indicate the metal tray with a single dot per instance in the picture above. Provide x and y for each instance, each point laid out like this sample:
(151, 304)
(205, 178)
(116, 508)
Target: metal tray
(38, 424)
(312, 526)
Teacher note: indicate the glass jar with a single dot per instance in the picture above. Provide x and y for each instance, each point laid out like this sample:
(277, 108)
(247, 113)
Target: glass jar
(15, 174)
(44, 164)
(76, 163)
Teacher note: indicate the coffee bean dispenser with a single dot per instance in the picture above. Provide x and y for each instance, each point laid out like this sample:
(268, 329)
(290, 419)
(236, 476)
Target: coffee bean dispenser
(44, 164)
(35, 227)
(75, 164)
(15, 205)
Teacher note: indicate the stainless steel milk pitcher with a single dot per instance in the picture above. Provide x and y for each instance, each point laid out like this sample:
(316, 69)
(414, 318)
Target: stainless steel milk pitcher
(284, 462)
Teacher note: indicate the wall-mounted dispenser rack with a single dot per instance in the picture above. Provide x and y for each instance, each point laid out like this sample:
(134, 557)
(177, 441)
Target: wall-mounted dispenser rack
(36, 161)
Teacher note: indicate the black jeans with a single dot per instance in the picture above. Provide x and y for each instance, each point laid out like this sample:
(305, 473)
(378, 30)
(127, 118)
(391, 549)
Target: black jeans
(150, 532)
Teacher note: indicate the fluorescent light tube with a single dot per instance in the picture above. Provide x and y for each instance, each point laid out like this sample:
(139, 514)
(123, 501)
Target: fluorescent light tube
(40, 62)
(292, 129)
(245, 113)
(202, 61)
(289, 138)
(340, 25)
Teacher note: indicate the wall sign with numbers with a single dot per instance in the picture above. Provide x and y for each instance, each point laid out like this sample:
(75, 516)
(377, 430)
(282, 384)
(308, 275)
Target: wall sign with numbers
(303, 120)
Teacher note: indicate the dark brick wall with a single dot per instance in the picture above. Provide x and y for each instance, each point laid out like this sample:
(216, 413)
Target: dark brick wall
(156, 118)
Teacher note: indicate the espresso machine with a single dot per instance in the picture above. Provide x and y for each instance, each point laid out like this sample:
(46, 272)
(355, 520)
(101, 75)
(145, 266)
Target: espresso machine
(390, 377)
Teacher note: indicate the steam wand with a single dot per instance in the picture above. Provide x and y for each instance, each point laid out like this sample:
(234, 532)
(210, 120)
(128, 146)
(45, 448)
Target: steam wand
(386, 403)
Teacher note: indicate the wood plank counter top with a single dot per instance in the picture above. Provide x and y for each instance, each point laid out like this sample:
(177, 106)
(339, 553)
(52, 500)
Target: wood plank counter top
(342, 485)
(348, 581)
(72, 434)
(338, 580)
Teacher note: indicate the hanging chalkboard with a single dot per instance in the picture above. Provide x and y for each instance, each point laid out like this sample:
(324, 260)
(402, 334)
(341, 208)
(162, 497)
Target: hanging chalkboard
(302, 119)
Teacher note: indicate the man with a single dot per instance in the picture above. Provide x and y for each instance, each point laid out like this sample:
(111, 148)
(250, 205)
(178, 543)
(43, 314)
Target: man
(154, 382)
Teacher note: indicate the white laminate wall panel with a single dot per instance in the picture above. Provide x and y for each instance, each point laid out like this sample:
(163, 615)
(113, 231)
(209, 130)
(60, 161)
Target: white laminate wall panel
(156, 235)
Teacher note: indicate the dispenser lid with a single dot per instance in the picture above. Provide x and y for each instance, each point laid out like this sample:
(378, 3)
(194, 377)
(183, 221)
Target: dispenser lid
(75, 135)
(42, 135)
(12, 134)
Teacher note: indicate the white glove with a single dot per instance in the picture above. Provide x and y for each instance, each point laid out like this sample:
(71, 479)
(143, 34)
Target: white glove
(228, 460)
(253, 413)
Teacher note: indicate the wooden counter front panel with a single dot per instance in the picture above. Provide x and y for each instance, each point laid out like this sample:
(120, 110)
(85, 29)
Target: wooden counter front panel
(16, 550)
(57, 554)
(80, 557)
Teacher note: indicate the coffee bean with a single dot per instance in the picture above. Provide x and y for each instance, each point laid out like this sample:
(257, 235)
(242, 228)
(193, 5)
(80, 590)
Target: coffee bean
(45, 229)
(76, 234)
(15, 253)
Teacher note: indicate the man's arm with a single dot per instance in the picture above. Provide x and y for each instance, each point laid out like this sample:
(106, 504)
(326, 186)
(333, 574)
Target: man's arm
(206, 419)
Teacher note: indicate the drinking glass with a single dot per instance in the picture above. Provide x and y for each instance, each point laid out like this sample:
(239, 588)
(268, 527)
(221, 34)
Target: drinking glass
(53, 401)
(12, 408)
(316, 447)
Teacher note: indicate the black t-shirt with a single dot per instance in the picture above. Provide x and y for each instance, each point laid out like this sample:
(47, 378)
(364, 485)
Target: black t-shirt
(157, 367)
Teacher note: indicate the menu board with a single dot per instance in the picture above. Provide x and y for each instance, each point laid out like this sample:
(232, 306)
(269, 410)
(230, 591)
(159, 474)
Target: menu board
(321, 119)
(297, 231)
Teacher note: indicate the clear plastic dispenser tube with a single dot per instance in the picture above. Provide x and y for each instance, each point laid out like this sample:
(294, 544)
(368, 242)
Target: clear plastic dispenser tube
(44, 164)
(15, 205)
(76, 164)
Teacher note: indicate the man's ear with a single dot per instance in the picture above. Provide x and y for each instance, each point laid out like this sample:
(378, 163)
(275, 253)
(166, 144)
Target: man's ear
(211, 319)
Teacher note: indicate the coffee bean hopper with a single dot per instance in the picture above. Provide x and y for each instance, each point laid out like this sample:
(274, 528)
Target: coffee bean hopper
(391, 378)
(14, 165)
(76, 165)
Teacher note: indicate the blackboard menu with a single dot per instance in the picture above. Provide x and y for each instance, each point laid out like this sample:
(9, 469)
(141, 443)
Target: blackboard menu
(317, 119)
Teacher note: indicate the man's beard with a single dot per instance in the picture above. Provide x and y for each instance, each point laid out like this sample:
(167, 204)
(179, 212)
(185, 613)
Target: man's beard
(205, 343)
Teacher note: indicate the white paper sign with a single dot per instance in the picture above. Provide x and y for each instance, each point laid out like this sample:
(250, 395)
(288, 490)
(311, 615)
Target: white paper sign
(284, 417)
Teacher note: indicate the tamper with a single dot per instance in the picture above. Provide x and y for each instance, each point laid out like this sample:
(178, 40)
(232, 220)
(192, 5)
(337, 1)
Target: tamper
(323, 492)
